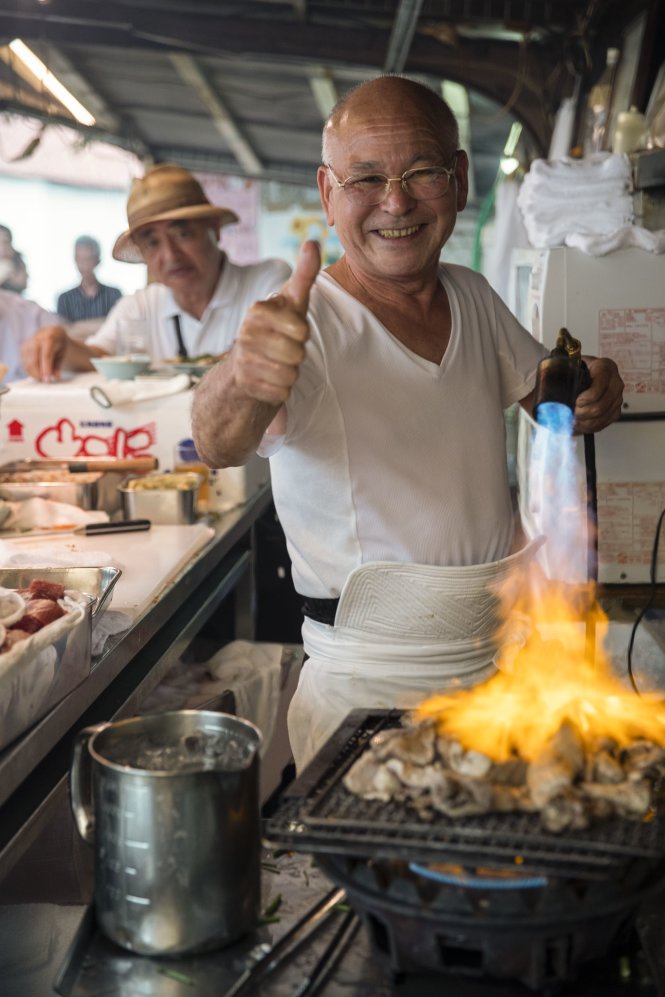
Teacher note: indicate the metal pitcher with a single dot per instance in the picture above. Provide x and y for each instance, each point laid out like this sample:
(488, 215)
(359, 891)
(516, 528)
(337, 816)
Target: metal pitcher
(177, 844)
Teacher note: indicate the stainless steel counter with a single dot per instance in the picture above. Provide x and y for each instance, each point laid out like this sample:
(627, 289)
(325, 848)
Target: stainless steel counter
(33, 768)
(46, 876)
(44, 943)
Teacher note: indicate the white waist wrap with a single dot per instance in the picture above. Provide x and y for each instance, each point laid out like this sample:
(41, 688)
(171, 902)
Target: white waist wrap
(402, 632)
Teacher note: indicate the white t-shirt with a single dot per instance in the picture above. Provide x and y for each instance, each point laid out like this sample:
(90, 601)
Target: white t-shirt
(19, 320)
(155, 307)
(389, 457)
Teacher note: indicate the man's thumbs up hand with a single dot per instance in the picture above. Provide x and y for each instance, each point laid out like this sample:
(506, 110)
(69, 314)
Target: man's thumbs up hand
(270, 347)
(299, 284)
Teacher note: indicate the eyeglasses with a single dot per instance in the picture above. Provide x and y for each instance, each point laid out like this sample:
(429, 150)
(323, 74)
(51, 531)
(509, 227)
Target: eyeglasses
(423, 184)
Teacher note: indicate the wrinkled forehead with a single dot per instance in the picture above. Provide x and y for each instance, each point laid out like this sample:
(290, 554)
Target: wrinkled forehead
(382, 123)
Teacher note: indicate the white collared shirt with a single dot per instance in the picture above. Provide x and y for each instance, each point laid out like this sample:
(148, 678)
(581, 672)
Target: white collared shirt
(155, 307)
(20, 319)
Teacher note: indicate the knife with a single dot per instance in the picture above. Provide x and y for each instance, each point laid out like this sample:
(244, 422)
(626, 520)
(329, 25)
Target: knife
(119, 526)
(75, 465)
(88, 530)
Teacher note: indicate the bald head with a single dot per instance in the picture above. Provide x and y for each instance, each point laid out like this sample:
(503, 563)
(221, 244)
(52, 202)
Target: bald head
(406, 97)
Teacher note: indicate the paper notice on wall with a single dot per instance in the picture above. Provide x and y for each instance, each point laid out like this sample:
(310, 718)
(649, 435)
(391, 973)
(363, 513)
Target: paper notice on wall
(240, 240)
(635, 339)
(628, 514)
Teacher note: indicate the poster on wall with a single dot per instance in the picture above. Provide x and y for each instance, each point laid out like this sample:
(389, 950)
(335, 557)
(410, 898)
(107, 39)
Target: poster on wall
(275, 219)
(241, 240)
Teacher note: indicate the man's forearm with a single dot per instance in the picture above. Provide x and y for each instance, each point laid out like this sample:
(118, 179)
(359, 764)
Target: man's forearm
(227, 425)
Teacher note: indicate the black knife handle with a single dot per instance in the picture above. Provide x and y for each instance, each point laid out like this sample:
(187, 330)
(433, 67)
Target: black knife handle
(121, 526)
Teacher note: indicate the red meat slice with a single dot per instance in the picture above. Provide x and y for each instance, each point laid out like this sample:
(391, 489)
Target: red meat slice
(13, 637)
(38, 613)
(40, 588)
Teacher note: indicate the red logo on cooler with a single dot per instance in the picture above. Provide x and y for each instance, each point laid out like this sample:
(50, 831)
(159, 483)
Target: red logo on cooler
(15, 430)
(63, 440)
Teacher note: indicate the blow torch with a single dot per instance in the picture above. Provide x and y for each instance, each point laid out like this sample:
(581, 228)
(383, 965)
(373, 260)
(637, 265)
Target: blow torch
(560, 378)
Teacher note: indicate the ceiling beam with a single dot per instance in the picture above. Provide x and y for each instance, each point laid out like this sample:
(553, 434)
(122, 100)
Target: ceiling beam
(190, 71)
(324, 90)
(457, 98)
(210, 161)
(90, 133)
(401, 36)
(488, 66)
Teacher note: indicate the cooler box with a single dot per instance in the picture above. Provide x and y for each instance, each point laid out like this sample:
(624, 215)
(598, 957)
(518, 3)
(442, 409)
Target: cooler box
(61, 421)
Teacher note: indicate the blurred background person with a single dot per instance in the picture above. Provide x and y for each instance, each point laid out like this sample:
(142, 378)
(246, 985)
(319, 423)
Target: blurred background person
(14, 273)
(90, 299)
(19, 321)
(197, 296)
(6, 246)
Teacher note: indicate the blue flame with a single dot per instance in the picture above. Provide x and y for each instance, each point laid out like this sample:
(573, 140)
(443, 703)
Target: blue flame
(556, 493)
(556, 417)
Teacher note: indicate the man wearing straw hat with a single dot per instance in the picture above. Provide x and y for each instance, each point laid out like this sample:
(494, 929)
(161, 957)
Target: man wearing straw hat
(197, 298)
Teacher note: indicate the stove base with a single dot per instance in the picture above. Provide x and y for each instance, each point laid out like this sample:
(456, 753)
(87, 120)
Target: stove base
(541, 963)
(516, 934)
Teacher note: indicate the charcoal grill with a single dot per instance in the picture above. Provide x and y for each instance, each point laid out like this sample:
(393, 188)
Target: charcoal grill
(493, 895)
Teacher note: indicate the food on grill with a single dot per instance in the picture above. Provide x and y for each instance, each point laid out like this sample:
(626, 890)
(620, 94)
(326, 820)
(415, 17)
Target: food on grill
(35, 608)
(157, 482)
(571, 782)
(557, 766)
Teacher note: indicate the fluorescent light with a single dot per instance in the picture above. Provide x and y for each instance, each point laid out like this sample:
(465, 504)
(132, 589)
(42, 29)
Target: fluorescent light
(513, 139)
(50, 82)
(508, 165)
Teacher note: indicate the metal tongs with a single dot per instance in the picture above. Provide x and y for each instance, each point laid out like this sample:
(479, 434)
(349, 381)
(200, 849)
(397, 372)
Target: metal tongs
(273, 956)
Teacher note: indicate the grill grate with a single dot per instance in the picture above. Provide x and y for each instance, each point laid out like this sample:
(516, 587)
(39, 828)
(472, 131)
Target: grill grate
(318, 814)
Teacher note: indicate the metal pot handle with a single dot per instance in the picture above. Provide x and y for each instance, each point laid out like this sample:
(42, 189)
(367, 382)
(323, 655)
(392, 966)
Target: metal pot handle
(80, 783)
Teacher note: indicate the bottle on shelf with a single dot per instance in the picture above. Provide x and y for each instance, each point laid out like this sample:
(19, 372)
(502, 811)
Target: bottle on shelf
(598, 107)
(631, 131)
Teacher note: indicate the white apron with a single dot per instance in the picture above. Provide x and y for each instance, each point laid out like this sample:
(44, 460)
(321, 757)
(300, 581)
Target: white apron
(402, 632)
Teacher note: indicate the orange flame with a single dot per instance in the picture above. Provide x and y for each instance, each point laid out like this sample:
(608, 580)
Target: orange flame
(551, 673)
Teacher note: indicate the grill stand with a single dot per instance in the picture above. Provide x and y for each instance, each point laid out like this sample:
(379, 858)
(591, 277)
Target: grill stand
(569, 900)
(540, 947)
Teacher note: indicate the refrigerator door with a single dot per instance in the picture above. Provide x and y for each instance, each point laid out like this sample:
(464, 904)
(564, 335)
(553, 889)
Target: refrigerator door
(615, 305)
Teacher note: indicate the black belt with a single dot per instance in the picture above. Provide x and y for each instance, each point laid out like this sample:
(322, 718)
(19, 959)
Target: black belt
(321, 610)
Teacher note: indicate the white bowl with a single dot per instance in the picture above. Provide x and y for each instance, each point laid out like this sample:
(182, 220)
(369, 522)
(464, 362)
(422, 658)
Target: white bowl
(121, 368)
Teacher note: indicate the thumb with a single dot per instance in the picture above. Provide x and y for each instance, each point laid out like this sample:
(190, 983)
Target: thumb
(299, 284)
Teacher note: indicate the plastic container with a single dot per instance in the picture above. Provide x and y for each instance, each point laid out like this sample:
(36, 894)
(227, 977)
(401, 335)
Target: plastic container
(630, 132)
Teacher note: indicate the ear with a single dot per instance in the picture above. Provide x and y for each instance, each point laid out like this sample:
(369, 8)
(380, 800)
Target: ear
(462, 179)
(325, 192)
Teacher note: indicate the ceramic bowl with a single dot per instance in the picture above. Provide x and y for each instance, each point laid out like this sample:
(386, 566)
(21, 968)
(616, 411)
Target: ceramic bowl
(121, 368)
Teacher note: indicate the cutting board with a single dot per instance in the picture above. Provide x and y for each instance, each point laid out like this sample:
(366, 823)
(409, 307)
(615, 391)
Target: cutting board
(149, 560)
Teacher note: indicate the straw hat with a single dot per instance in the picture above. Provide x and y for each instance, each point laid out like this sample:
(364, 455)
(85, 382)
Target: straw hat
(166, 193)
